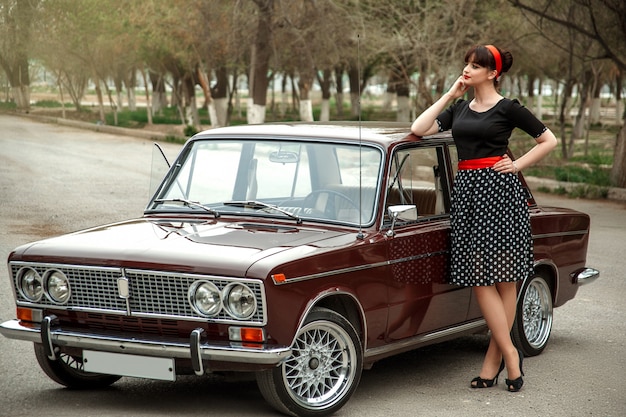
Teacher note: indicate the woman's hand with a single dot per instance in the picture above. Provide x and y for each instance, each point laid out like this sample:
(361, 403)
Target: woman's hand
(505, 165)
(426, 124)
(458, 88)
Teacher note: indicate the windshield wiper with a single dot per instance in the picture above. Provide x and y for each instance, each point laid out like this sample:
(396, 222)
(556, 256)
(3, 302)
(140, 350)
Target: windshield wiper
(189, 204)
(262, 205)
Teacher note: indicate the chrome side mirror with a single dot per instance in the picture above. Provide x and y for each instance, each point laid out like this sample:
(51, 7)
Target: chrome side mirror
(407, 212)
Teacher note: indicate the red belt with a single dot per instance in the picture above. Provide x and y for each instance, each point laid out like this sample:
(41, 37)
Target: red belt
(479, 162)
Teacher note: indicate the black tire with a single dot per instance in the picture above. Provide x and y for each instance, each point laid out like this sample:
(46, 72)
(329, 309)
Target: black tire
(533, 321)
(67, 370)
(323, 371)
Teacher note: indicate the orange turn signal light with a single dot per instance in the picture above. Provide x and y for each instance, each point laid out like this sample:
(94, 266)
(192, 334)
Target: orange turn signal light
(279, 278)
(246, 334)
(28, 314)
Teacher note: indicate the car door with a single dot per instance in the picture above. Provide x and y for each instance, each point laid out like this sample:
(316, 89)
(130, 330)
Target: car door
(420, 298)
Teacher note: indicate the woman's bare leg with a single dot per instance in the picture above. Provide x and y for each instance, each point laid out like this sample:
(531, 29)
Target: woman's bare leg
(498, 305)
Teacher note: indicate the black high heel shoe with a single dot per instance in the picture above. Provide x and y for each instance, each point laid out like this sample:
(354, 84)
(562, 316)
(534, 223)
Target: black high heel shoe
(516, 384)
(487, 383)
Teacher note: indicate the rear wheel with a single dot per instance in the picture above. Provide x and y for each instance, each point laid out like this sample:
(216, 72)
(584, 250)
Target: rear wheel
(323, 371)
(68, 370)
(533, 322)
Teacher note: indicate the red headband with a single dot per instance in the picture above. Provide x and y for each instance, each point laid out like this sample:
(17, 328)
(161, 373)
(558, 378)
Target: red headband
(496, 56)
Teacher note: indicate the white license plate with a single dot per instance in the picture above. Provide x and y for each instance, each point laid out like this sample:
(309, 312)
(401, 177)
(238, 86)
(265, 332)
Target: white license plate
(129, 365)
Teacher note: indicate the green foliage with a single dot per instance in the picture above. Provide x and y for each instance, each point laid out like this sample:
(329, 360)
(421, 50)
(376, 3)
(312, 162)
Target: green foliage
(8, 105)
(190, 131)
(48, 104)
(583, 174)
(594, 158)
(175, 139)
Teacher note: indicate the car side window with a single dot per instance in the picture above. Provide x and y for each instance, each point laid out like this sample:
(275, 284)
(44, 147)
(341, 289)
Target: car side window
(414, 180)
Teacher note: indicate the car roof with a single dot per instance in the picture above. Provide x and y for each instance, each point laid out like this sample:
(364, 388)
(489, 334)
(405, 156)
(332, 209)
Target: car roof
(382, 133)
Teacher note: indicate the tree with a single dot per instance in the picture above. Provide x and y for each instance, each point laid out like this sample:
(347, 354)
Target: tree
(260, 55)
(16, 23)
(604, 23)
(419, 40)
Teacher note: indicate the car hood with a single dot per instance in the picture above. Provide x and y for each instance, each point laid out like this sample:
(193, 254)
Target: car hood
(217, 247)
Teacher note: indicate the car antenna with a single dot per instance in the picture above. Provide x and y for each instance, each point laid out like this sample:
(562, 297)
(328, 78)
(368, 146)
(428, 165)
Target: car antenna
(358, 58)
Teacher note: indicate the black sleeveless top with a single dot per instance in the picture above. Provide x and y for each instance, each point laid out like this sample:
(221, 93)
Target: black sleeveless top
(485, 134)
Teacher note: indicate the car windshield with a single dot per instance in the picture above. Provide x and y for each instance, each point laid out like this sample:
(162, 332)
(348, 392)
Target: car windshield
(335, 182)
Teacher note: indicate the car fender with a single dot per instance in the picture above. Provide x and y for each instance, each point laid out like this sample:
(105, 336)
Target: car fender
(326, 299)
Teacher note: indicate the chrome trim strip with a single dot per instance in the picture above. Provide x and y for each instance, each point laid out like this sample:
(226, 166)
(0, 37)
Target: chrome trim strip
(421, 339)
(358, 268)
(559, 234)
(12, 329)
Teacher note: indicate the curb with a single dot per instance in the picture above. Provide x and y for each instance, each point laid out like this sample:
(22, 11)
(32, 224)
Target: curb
(115, 130)
(143, 134)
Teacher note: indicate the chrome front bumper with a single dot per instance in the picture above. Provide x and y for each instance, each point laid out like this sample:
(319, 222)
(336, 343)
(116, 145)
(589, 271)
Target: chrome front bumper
(585, 276)
(195, 349)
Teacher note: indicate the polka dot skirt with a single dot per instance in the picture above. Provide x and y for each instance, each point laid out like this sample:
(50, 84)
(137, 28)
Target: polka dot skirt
(491, 237)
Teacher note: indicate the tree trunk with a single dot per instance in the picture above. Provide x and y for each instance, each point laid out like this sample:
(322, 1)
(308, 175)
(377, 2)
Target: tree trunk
(219, 92)
(354, 78)
(130, 81)
(119, 86)
(148, 106)
(618, 172)
(159, 95)
(620, 115)
(19, 80)
(60, 84)
(284, 97)
(324, 81)
(18, 17)
(566, 146)
(530, 89)
(339, 97)
(190, 102)
(539, 101)
(391, 91)
(96, 80)
(305, 83)
(262, 51)
(404, 104)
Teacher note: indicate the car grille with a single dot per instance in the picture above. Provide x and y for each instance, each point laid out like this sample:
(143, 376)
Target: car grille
(152, 293)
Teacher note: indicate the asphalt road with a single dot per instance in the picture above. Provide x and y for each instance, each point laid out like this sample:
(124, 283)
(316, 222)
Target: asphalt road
(57, 179)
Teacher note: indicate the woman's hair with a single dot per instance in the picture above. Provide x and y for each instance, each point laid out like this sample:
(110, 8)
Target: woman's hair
(482, 56)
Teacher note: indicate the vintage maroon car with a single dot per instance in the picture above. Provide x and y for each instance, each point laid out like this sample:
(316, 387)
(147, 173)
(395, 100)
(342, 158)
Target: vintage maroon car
(301, 252)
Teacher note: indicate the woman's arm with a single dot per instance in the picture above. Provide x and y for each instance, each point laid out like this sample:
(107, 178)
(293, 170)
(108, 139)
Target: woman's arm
(425, 124)
(545, 143)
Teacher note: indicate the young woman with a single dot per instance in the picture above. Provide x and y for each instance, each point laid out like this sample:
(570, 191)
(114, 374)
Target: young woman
(491, 240)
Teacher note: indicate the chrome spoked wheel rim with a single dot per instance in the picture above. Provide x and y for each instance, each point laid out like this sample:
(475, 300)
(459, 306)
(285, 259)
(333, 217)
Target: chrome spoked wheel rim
(73, 363)
(537, 313)
(322, 367)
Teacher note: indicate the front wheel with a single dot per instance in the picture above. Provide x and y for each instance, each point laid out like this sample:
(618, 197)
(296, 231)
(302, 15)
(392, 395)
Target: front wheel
(533, 322)
(68, 370)
(323, 371)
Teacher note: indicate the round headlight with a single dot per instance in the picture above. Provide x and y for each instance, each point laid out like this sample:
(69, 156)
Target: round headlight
(57, 286)
(30, 284)
(240, 301)
(205, 298)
